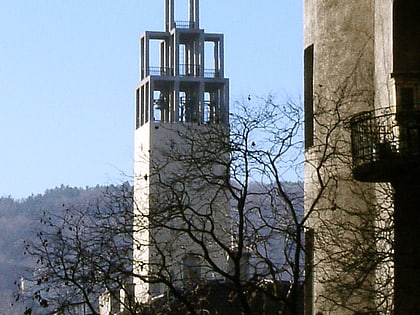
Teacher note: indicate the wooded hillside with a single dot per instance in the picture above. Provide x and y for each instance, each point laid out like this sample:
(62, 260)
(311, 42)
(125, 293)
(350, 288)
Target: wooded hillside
(19, 220)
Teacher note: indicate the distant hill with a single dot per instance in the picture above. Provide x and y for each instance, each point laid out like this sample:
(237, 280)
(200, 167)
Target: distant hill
(19, 220)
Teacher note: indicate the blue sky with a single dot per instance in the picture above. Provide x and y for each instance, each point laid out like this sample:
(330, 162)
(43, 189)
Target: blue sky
(68, 70)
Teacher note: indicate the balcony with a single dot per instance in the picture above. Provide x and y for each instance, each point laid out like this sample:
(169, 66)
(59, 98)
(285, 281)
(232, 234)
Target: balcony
(385, 145)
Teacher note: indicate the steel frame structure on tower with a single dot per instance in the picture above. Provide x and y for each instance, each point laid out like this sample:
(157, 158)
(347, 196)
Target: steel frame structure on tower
(180, 88)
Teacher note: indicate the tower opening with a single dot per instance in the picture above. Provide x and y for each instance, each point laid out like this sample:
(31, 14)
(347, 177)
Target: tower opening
(184, 15)
(182, 18)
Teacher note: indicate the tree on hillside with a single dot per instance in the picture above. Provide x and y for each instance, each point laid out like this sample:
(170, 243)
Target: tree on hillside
(81, 250)
(19, 218)
(87, 250)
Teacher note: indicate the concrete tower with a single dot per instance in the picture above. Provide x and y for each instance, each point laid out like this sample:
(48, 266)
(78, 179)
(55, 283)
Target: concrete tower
(182, 94)
(362, 133)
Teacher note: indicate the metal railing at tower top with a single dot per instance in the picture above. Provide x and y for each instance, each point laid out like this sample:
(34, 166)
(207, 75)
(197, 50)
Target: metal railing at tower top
(184, 70)
(211, 73)
(385, 138)
(189, 70)
(162, 71)
(184, 24)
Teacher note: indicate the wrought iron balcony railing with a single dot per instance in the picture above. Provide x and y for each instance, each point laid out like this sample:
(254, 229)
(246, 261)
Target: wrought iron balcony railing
(385, 144)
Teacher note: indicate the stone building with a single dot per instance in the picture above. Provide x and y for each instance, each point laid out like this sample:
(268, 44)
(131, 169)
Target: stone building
(362, 129)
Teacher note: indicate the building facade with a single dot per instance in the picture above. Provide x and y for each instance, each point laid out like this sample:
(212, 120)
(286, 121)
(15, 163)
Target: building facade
(362, 73)
(182, 100)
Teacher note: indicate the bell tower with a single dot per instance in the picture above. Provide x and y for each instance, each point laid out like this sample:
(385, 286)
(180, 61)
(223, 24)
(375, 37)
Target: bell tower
(182, 89)
(182, 80)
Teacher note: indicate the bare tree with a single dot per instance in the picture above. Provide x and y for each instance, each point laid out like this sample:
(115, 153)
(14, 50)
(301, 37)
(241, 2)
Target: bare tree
(244, 222)
(80, 251)
(229, 197)
(245, 167)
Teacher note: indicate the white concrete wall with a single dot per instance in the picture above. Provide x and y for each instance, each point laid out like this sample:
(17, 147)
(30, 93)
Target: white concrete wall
(160, 148)
(141, 250)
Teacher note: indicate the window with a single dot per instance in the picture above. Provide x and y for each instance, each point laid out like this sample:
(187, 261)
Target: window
(308, 95)
(406, 32)
(138, 122)
(407, 98)
(408, 93)
(408, 106)
(192, 268)
(309, 270)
